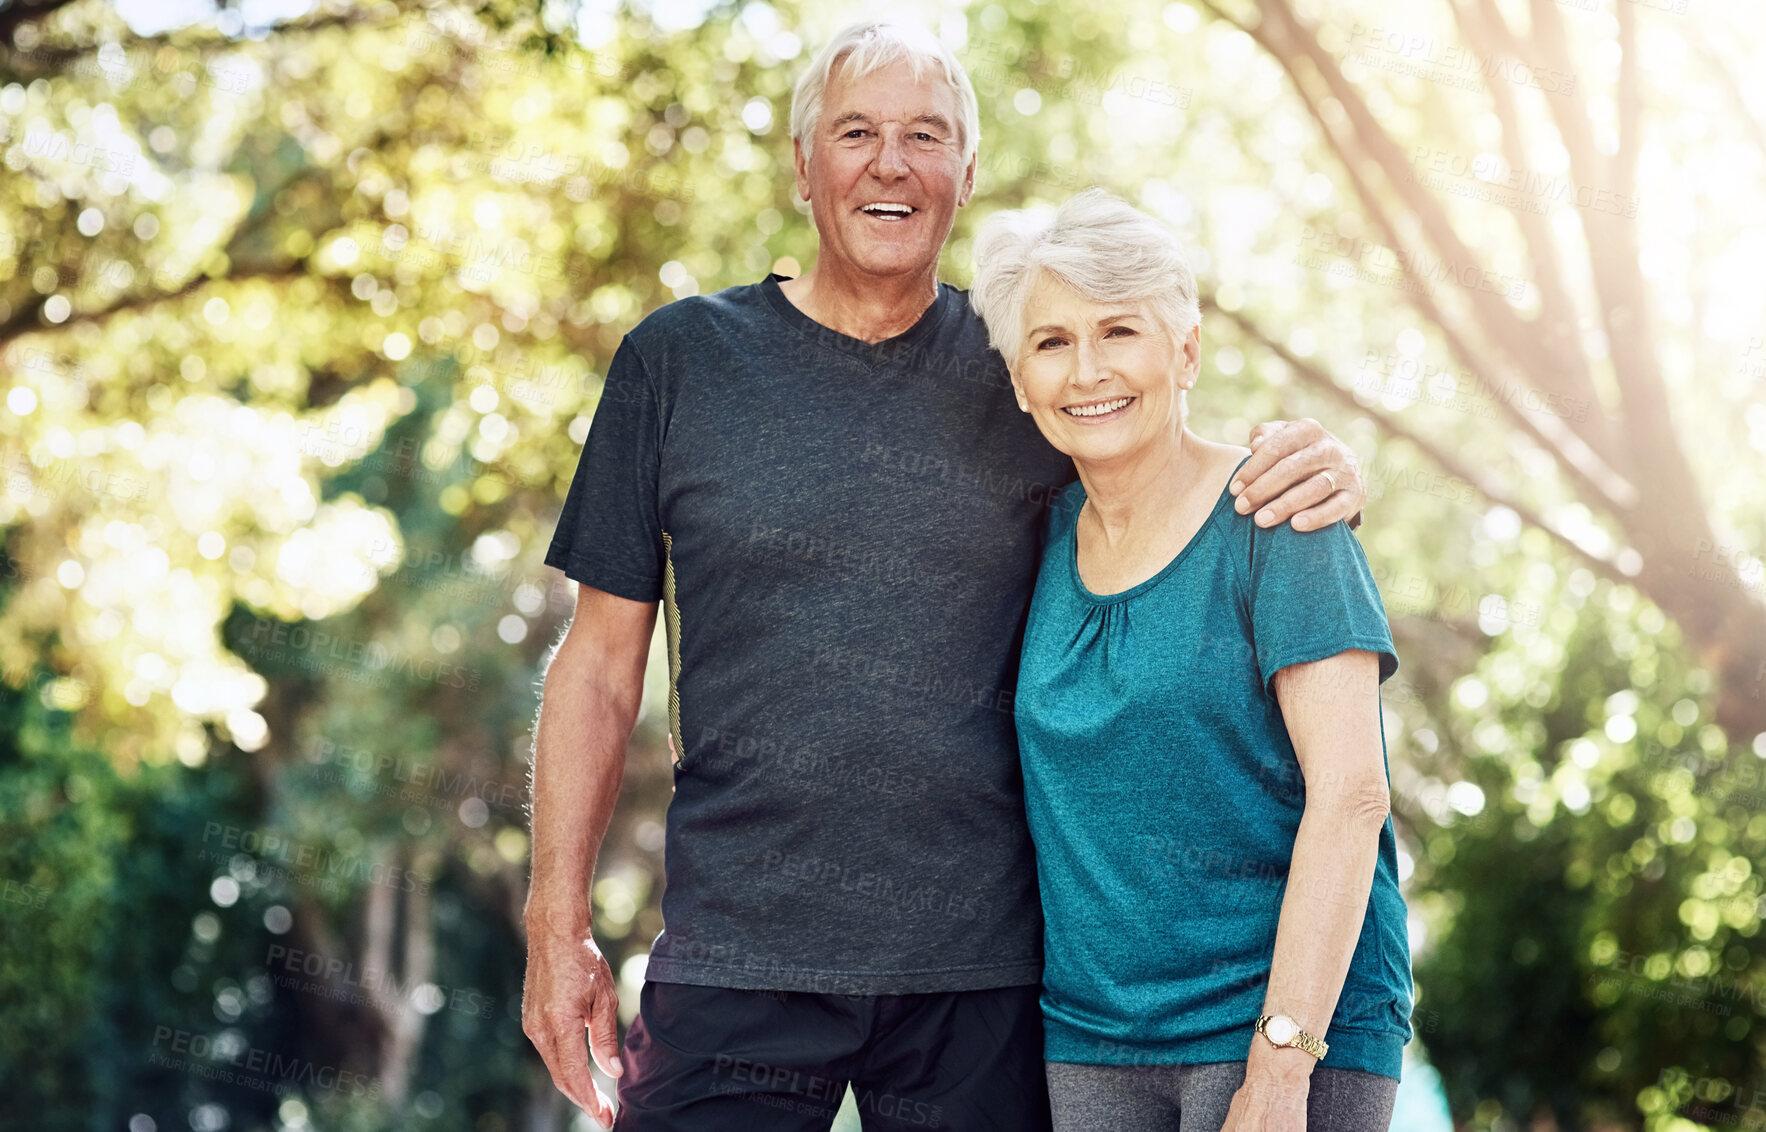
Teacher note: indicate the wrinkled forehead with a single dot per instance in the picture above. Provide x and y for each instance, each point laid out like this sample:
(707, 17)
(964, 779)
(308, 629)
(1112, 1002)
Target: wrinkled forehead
(890, 93)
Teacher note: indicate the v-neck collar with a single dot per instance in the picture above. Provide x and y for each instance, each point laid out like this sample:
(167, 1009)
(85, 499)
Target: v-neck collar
(890, 351)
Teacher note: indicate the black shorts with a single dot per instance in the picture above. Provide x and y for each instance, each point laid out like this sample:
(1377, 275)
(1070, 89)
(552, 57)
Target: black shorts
(713, 1059)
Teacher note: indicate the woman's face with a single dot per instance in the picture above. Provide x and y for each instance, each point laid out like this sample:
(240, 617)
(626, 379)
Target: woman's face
(1101, 380)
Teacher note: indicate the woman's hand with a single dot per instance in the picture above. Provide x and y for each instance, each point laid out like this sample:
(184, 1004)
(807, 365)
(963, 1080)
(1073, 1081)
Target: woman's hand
(1273, 1097)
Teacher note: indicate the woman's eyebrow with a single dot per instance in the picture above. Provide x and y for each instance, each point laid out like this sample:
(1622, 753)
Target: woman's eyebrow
(1107, 320)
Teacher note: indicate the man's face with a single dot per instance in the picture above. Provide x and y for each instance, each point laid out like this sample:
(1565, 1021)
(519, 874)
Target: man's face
(885, 140)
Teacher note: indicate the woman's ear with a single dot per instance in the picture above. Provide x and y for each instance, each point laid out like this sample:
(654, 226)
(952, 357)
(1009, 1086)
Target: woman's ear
(1191, 371)
(1018, 392)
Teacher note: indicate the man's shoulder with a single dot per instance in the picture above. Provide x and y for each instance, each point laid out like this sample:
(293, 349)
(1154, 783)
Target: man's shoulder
(698, 320)
(963, 309)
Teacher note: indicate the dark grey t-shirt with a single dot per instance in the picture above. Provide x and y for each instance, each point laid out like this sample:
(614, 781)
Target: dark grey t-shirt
(845, 537)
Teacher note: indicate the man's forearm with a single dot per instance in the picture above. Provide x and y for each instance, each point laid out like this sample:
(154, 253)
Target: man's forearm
(579, 762)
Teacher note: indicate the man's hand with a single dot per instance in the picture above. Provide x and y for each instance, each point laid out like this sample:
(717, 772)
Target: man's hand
(1285, 477)
(569, 986)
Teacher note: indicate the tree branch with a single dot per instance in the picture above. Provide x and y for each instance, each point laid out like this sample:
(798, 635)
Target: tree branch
(1585, 467)
(1316, 377)
(1502, 325)
(23, 65)
(1560, 319)
(24, 12)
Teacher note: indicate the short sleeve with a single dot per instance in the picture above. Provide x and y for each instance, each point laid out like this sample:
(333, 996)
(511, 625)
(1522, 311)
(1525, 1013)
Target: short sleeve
(1312, 595)
(610, 533)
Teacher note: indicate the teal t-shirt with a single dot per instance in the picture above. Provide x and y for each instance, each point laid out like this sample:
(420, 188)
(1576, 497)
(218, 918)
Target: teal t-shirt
(1164, 796)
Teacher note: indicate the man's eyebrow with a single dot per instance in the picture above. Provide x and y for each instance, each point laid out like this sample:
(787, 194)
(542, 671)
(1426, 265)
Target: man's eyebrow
(937, 121)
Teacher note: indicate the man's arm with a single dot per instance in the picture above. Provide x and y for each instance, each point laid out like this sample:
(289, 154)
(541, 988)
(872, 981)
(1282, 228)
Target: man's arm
(589, 705)
(1283, 478)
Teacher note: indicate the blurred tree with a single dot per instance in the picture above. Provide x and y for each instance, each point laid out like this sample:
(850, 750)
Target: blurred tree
(1581, 339)
(1493, 163)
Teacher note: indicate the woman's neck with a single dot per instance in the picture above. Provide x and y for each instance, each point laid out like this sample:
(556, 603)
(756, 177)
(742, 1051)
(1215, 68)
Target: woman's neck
(1132, 499)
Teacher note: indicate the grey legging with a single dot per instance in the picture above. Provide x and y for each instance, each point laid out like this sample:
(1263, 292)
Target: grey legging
(1194, 1098)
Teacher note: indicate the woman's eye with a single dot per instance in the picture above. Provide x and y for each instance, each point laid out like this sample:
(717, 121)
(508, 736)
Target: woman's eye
(1051, 342)
(1114, 329)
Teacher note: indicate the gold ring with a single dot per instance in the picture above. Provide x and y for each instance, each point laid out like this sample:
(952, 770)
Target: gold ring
(1330, 479)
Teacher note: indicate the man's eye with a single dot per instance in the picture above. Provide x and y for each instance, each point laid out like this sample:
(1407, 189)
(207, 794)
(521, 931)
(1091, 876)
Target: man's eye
(849, 133)
(925, 137)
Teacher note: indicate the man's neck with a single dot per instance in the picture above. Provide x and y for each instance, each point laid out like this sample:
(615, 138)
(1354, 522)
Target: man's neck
(868, 308)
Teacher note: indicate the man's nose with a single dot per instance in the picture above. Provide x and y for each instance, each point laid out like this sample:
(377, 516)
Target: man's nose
(892, 156)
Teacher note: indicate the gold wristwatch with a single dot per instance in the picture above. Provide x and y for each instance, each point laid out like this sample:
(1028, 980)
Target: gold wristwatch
(1281, 1030)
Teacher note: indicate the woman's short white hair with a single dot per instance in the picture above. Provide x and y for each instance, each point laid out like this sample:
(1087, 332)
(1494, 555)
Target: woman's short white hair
(1099, 245)
(871, 45)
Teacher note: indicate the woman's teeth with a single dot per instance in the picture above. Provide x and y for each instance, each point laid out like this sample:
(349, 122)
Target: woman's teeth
(1098, 409)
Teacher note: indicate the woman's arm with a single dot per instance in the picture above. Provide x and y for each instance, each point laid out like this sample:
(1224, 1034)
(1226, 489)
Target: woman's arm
(1332, 708)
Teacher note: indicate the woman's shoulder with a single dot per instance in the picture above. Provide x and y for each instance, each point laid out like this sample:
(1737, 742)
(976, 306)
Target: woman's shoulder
(1330, 547)
(1225, 461)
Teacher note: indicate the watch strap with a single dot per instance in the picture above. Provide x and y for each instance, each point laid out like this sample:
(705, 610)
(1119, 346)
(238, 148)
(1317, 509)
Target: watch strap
(1317, 1047)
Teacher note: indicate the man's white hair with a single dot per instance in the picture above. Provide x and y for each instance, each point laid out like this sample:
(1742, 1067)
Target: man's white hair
(871, 45)
(1096, 243)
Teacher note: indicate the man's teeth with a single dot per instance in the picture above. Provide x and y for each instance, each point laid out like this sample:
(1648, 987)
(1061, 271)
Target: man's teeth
(1099, 409)
(888, 209)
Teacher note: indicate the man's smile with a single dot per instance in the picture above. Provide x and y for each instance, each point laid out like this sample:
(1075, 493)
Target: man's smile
(890, 212)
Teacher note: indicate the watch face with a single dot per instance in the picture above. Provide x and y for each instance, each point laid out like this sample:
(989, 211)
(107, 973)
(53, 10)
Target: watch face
(1281, 1029)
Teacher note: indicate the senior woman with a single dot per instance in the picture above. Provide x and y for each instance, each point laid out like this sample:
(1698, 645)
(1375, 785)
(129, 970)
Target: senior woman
(1224, 937)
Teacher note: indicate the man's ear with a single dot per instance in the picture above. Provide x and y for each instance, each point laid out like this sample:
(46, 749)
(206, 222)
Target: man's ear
(802, 164)
(968, 181)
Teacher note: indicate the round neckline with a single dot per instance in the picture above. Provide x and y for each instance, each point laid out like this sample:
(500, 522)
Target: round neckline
(889, 351)
(1139, 587)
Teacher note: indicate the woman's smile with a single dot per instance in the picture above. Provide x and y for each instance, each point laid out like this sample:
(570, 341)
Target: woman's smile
(1093, 412)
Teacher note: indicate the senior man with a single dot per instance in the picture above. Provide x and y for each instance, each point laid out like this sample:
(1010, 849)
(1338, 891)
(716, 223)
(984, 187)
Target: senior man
(826, 483)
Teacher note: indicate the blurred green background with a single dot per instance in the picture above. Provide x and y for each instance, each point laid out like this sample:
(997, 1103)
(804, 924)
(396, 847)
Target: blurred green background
(303, 312)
